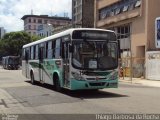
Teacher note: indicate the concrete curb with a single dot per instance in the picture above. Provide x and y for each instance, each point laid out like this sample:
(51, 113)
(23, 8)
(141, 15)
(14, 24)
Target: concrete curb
(152, 83)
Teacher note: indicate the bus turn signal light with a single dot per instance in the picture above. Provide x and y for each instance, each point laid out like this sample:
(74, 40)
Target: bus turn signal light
(58, 63)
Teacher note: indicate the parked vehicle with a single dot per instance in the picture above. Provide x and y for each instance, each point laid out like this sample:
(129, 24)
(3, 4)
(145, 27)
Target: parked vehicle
(11, 62)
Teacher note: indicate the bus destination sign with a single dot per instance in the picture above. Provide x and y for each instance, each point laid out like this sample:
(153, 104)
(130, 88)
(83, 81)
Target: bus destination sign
(94, 35)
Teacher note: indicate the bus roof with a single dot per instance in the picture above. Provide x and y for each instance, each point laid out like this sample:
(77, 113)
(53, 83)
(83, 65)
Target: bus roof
(66, 32)
(10, 57)
(7, 57)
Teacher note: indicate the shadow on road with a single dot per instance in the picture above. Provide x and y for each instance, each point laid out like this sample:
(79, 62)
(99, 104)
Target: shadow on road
(92, 94)
(83, 94)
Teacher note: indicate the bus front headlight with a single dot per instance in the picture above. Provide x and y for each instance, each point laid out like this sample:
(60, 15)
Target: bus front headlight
(77, 76)
(113, 76)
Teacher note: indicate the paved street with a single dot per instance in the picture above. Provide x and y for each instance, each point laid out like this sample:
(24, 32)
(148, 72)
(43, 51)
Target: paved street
(18, 96)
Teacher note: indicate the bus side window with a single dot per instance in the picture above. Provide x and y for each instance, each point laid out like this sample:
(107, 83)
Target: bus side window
(53, 48)
(32, 52)
(49, 50)
(29, 53)
(63, 50)
(36, 53)
(41, 50)
(46, 50)
(57, 49)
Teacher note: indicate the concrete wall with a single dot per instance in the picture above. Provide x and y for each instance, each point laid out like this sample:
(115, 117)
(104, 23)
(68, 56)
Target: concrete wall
(88, 13)
(103, 3)
(139, 32)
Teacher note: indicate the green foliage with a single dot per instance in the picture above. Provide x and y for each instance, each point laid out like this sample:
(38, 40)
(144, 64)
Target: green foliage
(35, 38)
(12, 43)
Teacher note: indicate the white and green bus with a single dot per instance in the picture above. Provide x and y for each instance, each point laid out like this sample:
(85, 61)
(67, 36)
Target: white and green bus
(75, 59)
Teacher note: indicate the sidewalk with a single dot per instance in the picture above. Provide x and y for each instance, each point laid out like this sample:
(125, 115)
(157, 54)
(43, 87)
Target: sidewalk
(145, 82)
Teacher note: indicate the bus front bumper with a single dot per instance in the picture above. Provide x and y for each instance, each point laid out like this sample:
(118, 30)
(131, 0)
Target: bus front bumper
(80, 84)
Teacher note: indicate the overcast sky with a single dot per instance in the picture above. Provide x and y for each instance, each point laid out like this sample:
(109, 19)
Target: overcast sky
(11, 11)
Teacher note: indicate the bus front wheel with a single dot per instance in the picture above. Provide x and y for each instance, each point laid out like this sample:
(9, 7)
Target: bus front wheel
(32, 78)
(57, 83)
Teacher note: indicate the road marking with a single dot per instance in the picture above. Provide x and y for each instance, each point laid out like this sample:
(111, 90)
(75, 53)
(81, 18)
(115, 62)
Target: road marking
(3, 103)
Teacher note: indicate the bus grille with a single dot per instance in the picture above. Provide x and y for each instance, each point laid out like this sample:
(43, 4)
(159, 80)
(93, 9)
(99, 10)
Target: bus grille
(97, 84)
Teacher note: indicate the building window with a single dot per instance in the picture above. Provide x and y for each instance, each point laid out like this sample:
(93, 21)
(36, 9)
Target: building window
(131, 6)
(45, 21)
(138, 3)
(74, 3)
(29, 20)
(125, 8)
(34, 20)
(123, 31)
(39, 20)
(123, 35)
(117, 11)
(112, 13)
(29, 27)
(74, 11)
(103, 15)
(119, 7)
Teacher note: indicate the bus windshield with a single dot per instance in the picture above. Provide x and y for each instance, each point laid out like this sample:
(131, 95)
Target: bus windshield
(94, 54)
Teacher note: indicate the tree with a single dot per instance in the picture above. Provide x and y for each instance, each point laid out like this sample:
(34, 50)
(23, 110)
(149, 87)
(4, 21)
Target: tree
(11, 43)
(35, 38)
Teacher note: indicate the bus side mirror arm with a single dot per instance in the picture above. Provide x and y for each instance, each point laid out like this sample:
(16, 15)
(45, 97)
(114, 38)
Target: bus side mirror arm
(71, 48)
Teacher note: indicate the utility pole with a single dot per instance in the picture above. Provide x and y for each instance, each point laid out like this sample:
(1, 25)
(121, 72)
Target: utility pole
(130, 57)
(129, 36)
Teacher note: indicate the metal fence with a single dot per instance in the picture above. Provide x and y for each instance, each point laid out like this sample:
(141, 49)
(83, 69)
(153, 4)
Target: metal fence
(132, 68)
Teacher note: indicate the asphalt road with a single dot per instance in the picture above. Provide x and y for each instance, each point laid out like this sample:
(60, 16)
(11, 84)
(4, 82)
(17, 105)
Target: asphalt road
(18, 96)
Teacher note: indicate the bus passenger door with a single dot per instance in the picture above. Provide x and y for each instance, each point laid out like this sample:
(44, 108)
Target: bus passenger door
(41, 67)
(65, 54)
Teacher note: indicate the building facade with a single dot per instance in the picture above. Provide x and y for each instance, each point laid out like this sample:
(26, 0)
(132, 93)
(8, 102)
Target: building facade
(132, 20)
(2, 32)
(45, 30)
(83, 13)
(37, 24)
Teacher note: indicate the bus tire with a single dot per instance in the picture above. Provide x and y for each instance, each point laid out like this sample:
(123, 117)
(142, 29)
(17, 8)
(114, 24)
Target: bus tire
(32, 78)
(57, 83)
(94, 90)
